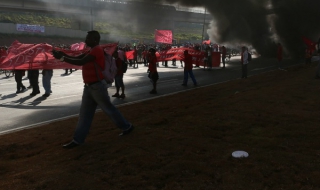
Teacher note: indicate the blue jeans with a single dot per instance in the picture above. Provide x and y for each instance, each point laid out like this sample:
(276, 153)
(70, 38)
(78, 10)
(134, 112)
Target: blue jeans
(186, 76)
(46, 80)
(94, 95)
(119, 81)
(244, 70)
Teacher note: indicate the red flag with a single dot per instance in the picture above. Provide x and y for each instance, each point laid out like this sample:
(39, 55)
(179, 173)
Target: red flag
(82, 45)
(74, 47)
(206, 42)
(109, 48)
(77, 46)
(130, 55)
(163, 36)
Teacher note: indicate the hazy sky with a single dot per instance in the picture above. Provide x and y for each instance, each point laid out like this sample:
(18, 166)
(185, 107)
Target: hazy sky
(260, 23)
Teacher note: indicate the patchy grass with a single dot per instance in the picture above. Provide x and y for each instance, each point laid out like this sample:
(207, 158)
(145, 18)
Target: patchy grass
(184, 141)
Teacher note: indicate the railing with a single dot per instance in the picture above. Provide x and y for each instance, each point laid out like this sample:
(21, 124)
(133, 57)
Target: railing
(177, 7)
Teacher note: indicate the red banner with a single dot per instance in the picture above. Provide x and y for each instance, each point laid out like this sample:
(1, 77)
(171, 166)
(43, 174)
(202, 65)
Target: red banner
(39, 56)
(197, 56)
(163, 36)
(177, 53)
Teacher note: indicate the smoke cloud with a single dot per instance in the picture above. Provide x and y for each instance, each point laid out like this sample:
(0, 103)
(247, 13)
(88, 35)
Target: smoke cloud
(262, 23)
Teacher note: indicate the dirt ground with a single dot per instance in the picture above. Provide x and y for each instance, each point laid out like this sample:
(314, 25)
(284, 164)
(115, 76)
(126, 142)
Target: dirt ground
(184, 141)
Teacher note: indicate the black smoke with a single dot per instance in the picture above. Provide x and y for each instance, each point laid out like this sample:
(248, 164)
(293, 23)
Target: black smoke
(262, 23)
(294, 19)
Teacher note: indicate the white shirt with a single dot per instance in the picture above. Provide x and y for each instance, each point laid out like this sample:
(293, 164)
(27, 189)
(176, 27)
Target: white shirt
(245, 57)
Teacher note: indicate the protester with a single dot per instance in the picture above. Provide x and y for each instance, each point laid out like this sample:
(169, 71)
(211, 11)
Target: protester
(318, 70)
(122, 55)
(66, 71)
(34, 81)
(135, 57)
(318, 66)
(244, 62)
(153, 73)
(95, 90)
(29, 76)
(144, 56)
(18, 74)
(174, 60)
(209, 52)
(318, 46)
(46, 81)
(308, 56)
(119, 77)
(205, 60)
(181, 62)
(188, 69)
(166, 63)
(223, 56)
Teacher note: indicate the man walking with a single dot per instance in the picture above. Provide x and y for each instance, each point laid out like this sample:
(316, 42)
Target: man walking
(188, 69)
(119, 77)
(244, 62)
(18, 74)
(223, 55)
(209, 53)
(95, 90)
(153, 73)
(46, 81)
(34, 81)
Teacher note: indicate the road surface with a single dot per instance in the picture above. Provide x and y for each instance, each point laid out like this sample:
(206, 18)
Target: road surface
(20, 111)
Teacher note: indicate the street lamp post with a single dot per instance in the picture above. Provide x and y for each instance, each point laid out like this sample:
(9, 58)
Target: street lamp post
(204, 22)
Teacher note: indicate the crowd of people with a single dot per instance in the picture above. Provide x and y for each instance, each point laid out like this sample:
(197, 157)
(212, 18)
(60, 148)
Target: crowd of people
(3, 49)
(143, 55)
(93, 77)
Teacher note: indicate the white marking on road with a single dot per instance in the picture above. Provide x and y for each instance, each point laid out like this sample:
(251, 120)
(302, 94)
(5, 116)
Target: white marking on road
(257, 69)
(36, 125)
(167, 81)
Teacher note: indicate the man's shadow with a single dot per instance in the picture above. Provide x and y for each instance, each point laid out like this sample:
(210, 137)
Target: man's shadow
(8, 96)
(35, 102)
(22, 100)
(38, 101)
(65, 74)
(69, 73)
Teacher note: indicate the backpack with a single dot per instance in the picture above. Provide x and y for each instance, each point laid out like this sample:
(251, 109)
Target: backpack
(124, 67)
(249, 56)
(110, 68)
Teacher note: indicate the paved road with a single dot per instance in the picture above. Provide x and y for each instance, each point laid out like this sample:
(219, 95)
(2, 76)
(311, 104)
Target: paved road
(21, 110)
